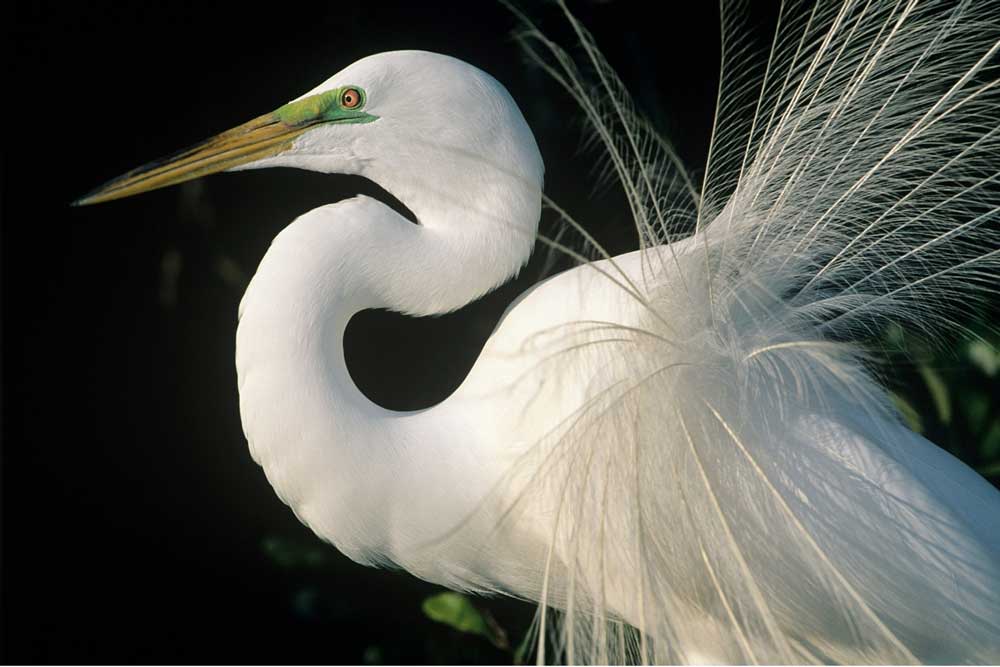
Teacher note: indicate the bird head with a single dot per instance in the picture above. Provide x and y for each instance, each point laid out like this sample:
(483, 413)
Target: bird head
(417, 123)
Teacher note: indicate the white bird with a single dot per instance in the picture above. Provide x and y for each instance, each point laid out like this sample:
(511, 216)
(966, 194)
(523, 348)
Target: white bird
(684, 449)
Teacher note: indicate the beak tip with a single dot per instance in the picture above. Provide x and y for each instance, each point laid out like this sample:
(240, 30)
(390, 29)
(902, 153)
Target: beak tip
(93, 197)
(261, 137)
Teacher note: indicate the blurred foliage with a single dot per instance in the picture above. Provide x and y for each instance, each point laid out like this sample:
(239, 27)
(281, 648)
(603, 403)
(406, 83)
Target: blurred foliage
(459, 612)
(950, 395)
(286, 554)
(458, 629)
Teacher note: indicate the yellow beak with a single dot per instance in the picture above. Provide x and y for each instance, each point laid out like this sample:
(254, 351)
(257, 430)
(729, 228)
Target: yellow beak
(262, 137)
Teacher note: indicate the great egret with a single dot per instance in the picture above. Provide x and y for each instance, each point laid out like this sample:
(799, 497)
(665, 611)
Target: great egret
(682, 448)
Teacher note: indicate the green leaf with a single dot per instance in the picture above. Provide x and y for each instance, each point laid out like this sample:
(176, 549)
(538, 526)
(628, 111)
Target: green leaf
(373, 656)
(939, 392)
(984, 356)
(288, 554)
(894, 336)
(976, 407)
(989, 446)
(990, 470)
(908, 412)
(457, 611)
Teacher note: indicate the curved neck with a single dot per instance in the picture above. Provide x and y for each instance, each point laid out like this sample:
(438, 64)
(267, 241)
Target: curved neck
(340, 461)
(478, 221)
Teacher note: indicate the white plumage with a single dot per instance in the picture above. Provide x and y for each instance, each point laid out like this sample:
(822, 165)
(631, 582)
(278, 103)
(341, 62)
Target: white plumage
(683, 451)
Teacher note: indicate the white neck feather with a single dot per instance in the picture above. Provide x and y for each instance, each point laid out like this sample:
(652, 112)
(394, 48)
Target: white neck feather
(345, 462)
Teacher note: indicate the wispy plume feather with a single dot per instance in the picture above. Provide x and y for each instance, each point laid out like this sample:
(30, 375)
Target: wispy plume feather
(713, 497)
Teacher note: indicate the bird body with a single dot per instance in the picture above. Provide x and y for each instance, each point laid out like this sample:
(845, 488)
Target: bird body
(427, 490)
(683, 449)
(451, 443)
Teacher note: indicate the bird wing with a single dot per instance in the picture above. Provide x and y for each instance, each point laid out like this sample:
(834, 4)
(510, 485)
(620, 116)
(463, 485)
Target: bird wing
(703, 445)
(735, 512)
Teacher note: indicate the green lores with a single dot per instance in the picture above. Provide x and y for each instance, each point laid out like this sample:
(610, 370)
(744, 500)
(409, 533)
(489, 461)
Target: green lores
(340, 105)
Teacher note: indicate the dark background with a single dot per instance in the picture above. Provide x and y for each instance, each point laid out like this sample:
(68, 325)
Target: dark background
(135, 526)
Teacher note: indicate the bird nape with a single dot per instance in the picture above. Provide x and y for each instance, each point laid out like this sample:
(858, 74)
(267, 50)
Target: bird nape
(681, 453)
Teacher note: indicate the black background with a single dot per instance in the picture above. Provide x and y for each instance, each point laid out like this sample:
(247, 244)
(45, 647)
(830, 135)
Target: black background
(135, 526)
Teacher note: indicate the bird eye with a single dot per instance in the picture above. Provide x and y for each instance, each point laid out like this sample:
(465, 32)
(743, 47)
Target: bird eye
(350, 98)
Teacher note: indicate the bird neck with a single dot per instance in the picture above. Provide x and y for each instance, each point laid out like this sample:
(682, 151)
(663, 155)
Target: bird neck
(339, 460)
(478, 220)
